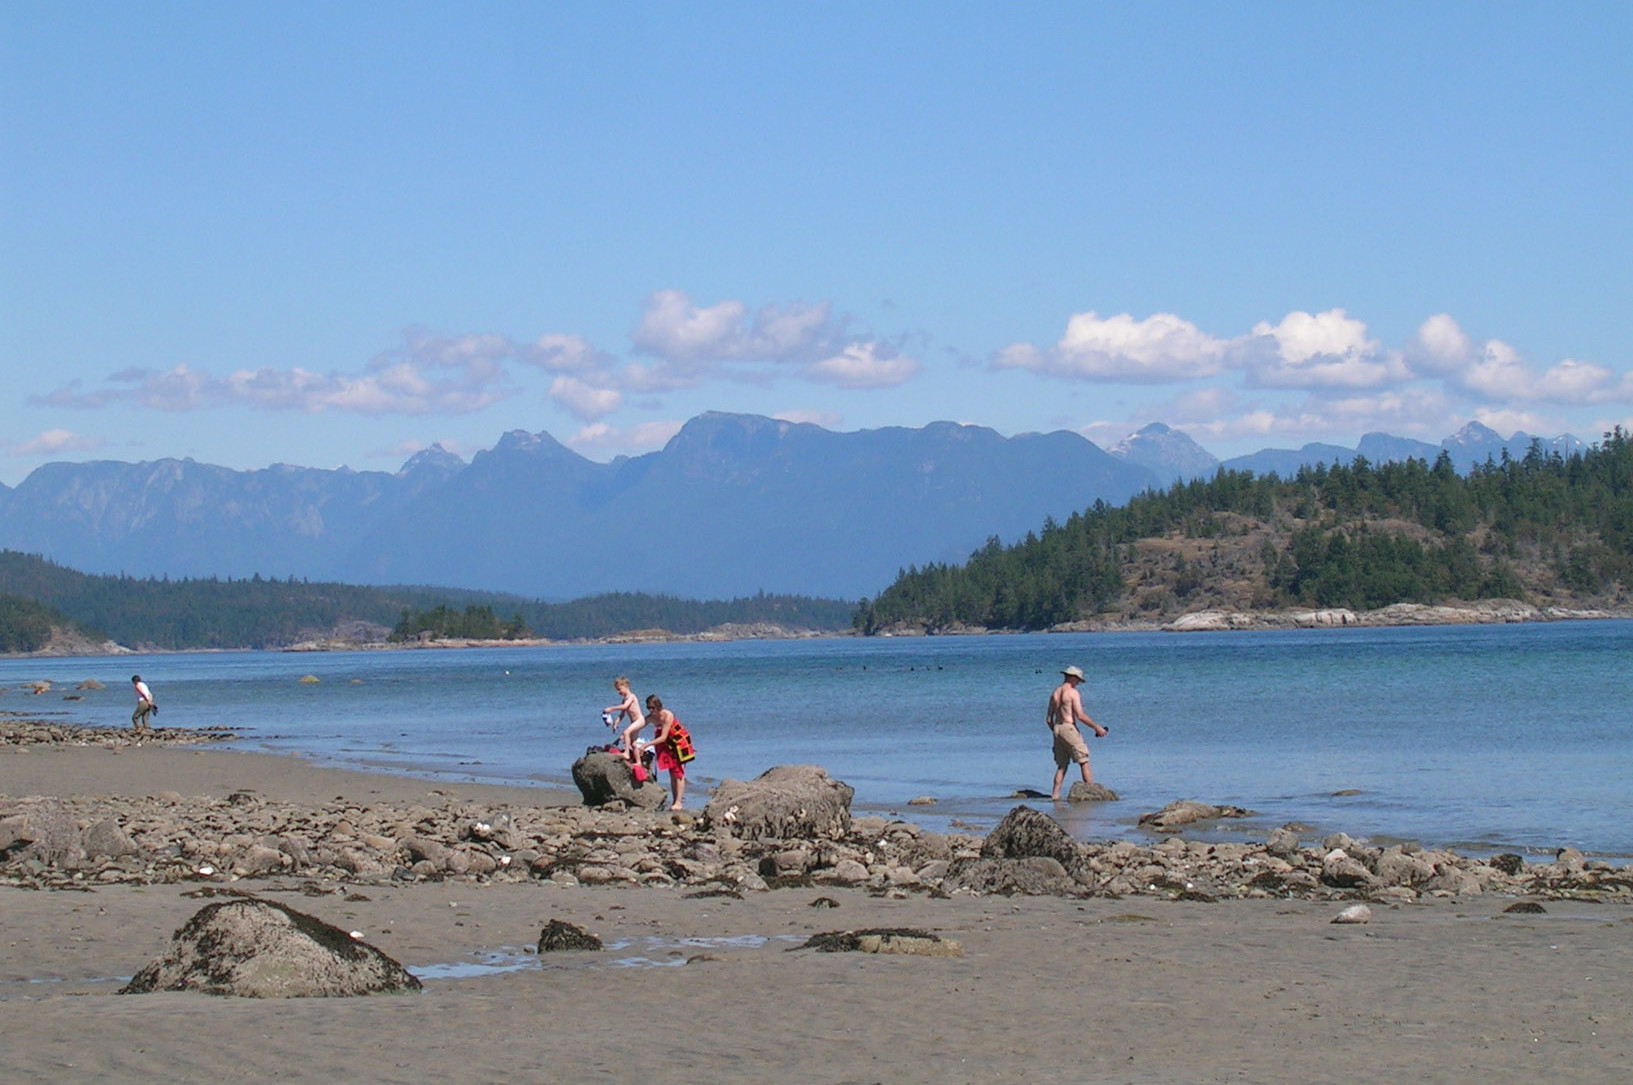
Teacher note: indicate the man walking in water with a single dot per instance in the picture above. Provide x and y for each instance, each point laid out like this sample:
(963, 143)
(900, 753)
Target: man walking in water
(1065, 711)
(145, 705)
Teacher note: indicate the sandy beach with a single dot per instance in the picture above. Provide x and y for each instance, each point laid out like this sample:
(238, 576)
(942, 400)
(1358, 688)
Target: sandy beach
(697, 986)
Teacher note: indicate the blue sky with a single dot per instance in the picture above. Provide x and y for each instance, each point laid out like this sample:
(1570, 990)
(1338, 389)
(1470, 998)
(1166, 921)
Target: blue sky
(333, 234)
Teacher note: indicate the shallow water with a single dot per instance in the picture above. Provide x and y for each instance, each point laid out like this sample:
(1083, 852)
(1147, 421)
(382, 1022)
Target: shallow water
(1514, 737)
(653, 951)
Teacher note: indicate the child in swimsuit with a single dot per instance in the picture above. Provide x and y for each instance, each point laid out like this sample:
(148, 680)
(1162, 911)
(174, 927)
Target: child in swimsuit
(630, 709)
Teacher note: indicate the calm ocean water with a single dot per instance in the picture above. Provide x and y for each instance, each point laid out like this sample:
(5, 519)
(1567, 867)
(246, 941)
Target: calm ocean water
(1481, 737)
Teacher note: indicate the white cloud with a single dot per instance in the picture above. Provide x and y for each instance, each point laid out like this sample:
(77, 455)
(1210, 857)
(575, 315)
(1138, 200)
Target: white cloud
(1571, 381)
(565, 354)
(178, 389)
(1418, 411)
(1316, 350)
(694, 344)
(1202, 405)
(402, 387)
(825, 419)
(1158, 349)
(644, 437)
(1508, 422)
(425, 375)
(1494, 369)
(52, 442)
(864, 365)
(674, 329)
(1440, 346)
(584, 401)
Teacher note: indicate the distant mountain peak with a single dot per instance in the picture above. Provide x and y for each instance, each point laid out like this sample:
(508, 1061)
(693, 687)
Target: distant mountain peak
(1474, 433)
(519, 441)
(434, 458)
(1168, 453)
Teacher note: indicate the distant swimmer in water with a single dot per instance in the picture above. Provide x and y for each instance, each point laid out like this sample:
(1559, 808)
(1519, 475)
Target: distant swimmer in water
(1064, 714)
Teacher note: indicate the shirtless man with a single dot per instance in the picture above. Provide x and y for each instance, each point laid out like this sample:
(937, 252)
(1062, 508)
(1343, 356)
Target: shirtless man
(1065, 712)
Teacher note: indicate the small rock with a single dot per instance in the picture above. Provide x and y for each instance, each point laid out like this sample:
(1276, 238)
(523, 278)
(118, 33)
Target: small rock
(1355, 913)
(1082, 792)
(558, 936)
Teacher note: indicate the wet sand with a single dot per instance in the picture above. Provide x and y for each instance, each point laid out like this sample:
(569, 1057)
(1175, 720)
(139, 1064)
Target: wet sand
(706, 988)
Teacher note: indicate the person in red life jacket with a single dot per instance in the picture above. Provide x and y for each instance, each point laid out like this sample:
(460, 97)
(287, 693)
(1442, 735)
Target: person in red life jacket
(674, 746)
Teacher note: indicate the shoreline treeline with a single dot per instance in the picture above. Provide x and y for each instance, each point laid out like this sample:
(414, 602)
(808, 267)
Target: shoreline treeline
(1359, 535)
(258, 612)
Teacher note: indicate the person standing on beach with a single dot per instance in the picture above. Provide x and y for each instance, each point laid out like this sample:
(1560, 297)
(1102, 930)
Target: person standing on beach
(1064, 714)
(145, 704)
(629, 710)
(674, 748)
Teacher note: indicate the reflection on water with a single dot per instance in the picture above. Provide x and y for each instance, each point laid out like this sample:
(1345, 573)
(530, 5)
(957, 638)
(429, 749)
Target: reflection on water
(651, 952)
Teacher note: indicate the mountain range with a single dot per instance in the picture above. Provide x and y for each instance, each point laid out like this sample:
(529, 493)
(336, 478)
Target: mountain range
(1174, 457)
(733, 504)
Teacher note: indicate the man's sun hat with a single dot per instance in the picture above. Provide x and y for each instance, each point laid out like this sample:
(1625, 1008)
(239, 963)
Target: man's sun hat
(1073, 672)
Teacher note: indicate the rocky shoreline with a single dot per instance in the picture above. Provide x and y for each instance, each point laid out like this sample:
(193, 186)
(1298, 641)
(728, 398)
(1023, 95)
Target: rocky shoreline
(1484, 612)
(752, 837)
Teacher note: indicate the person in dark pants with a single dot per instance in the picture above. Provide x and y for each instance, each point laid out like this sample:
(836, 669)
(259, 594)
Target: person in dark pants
(145, 704)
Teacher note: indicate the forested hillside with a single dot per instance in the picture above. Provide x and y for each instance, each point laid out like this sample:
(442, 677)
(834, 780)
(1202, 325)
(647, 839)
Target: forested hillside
(1545, 528)
(624, 612)
(261, 613)
(25, 625)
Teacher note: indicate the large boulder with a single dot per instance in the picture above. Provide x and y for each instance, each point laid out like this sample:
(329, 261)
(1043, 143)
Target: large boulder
(1025, 833)
(262, 949)
(1037, 875)
(1027, 852)
(1343, 871)
(43, 829)
(788, 802)
(603, 777)
(106, 839)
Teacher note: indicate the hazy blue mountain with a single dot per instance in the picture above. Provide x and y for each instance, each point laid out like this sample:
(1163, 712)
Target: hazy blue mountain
(1287, 461)
(1566, 444)
(1167, 453)
(1471, 445)
(183, 518)
(737, 503)
(1384, 448)
(432, 464)
(1474, 443)
(733, 504)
